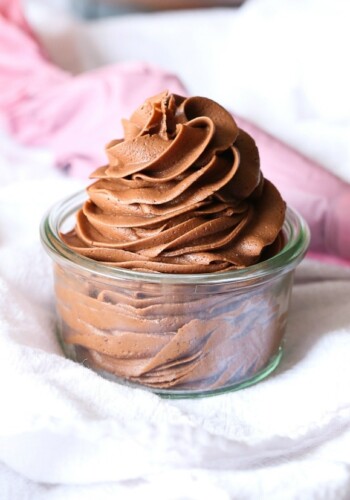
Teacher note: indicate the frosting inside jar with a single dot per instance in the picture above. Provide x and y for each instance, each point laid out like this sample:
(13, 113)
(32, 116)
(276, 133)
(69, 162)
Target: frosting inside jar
(182, 193)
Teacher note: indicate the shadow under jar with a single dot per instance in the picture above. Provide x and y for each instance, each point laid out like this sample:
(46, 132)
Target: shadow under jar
(177, 335)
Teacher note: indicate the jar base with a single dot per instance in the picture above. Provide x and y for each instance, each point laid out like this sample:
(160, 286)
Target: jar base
(192, 394)
(69, 352)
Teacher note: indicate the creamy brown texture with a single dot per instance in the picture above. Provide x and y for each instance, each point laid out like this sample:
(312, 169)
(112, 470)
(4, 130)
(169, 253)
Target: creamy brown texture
(182, 193)
(176, 336)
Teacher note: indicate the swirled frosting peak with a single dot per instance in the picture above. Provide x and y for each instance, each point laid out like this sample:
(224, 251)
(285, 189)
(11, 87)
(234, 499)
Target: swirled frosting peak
(181, 193)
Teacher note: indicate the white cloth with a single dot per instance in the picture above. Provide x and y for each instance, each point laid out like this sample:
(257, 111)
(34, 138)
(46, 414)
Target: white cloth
(67, 433)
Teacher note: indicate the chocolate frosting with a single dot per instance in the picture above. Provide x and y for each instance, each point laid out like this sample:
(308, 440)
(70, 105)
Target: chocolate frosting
(173, 337)
(182, 193)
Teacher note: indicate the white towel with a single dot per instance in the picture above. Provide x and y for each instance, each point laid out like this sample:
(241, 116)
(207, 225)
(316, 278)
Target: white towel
(66, 433)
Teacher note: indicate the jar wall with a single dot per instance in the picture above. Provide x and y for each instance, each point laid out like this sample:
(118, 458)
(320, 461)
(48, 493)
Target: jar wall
(175, 339)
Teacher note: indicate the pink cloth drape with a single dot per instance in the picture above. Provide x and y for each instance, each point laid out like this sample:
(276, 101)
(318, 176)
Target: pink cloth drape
(74, 116)
(321, 197)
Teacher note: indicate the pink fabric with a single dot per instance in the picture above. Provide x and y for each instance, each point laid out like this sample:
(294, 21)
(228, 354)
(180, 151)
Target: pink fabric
(321, 197)
(75, 116)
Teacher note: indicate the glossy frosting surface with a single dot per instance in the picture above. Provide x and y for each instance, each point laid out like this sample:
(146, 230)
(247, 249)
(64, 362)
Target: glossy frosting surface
(182, 193)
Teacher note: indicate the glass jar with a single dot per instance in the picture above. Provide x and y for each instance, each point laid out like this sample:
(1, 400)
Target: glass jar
(177, 335)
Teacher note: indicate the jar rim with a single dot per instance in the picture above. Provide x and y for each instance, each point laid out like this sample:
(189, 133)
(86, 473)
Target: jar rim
(295, 230)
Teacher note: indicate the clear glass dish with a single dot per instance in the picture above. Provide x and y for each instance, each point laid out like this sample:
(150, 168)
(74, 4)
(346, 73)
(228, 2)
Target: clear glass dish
(177, 335)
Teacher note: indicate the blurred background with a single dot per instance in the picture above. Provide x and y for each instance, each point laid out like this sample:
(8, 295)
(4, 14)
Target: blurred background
(91, 9)
(282, 64)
